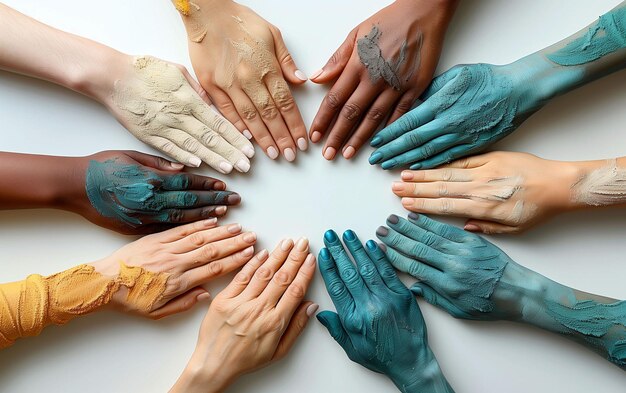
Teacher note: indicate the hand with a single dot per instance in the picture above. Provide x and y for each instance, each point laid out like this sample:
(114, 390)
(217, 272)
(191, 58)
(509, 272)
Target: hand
(254, 321)
(378, 324)
(243, 64)
(382, 68)
(501, 192)
(133, 193)
(163, 106)
(465, 110)
(187, 256)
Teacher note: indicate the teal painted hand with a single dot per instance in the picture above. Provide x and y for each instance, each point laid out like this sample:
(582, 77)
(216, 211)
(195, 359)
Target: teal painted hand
(379, 325)
(131, 192)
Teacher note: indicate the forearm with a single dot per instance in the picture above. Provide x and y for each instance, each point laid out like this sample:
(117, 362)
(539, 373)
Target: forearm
(198, 377)
(425, 377)
(29, 181)
(32, 48)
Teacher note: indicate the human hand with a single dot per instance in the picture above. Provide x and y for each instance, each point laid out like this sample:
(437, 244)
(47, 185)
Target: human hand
(382, 68)
(135, 193)
(254, 321)
(378, 324)
(243, 63)
(501, 192)
(161, 105)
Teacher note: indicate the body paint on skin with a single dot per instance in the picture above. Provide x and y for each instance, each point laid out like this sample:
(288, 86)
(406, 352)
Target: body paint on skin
(605, 36)
(602, 187)
(378, 67)
(28, 306)
(196, 29)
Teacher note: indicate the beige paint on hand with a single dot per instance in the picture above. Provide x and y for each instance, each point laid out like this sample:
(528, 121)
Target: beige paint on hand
(196, 29)
(603, 187)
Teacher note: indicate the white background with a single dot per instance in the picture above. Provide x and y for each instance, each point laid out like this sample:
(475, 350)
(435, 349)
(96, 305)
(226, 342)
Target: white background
(108, 352)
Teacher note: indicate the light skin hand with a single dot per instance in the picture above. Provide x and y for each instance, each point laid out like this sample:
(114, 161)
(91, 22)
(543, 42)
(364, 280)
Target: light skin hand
(191, 255)
(380, 70)
(378, 323)
(243, 64)
(254, 321)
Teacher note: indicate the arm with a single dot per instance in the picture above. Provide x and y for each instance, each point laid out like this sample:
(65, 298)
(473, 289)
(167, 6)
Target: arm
(235, 338)
(472, 106)
(126, 191)
(507, 192)
(156, 276)
(378, 322)
(243, 63)
(156, 101)
(381, 69)
(471, 278)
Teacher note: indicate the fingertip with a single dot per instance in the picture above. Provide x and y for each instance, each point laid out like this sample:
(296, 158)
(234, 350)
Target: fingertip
(330, 236)
(472, 227)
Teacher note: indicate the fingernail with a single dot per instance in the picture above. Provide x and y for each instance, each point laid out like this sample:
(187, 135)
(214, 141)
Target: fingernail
(312, 309)
(203, 297)
(302, 244)
(300, 75)
(407, 175)
(407, 202)
(317, 74)
(263, 255)
(393, 219)
(242, 165)
(376, 141)
(272, 152)
(382, 231)
(219, 186)
(329, 153)
(289, 154)
(414, 216)
(349, 235)
(472, 228)
(330, 236)
(303, 144)
(248, 151)
(325, 254)
(382, 246)
(249, 237)
(195, 162)
(348, 152)
(415, 167)
(221, 210)
(397, 186)
(310, 260)
(225, 167)
(233, 228)
(371, 245)
(316, 136)
(247, 134)
(210, 222)
(248, 252)
(286, 244)
(233, 199)
(375, 157)
(176, 165)
(389, 164)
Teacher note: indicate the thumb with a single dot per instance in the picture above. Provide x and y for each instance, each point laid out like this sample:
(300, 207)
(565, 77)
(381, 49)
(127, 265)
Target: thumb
(331, 322)
(296, 326)
(337, 62)
(431, 296)
(155, 162)
(181, 303)
(440, 81)
(290, 71)
(489, 228)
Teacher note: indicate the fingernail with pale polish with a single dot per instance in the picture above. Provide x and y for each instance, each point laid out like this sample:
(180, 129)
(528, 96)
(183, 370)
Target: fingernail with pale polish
(348, 152)
(203, 297)
(407, 175)
(262, 255)
(329, 153)
(303, 244)
(407, 202)
(177, 166)
(317, 74)
(247, 134)
(233, 199)
(312, 309)
(234, 228)
(316, 136)
(221, 210)
(248, 252)
(248, 151)
(472, 228)
(300, 75)
(195, 162)
(286, 244)
(310, 260)
(289, 154)
(242, 166)
(249, 237)
(210, 222)
(303, 144)
(225, 167)
(219, 186)
(272, 152)
(397, 186)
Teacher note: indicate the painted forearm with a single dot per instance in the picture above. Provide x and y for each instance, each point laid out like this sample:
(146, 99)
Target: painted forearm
(426, 378)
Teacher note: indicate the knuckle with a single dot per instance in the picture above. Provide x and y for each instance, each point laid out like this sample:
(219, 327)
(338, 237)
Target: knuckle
(168, 147)
(446, 206)
(210, 139)
(215, 269)
(242, 278)
(442, 189)
(263, 273)
(282, 278)
(284, 101)
(446, 174)
(333, 100)
(196, 239)
(269, 112)
(350, 276)
(415, 139)
(366, 271)
(375, 114)
(249, 113)
(191, 144)
(176, 215)
(296, 290)
(404, 106)
(429, 150)
(351, 111)
(209, 252)
(336, 289)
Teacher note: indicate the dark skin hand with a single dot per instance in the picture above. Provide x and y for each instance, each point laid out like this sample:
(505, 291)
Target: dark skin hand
(36, 181)
(380, 70)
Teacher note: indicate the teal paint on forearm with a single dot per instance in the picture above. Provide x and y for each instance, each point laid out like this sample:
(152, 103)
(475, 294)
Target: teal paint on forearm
(602, 38)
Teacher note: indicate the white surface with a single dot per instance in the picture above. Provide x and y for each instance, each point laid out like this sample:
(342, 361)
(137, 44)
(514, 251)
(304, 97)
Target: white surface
(114, 353)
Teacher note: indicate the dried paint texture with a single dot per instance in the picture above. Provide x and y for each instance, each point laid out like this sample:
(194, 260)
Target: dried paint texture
(605, 36)
(378, 67)
(26, 307)
(196, 27)
(602, 187)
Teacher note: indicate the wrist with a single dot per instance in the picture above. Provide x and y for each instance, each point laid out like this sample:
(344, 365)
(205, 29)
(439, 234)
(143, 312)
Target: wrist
(97, 74)
(424, 376)
(599, 183)
(69, 183)
(198, 377)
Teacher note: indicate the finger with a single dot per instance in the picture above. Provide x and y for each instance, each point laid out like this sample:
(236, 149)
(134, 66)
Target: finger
(490, 228)
(469, 162)
(345, 267)
(444, 230)
(290, 113)
(431, 296)
(265, 272)
(418, 117)
(298, 288)
(181, 232)
(439, 189)
(170, 149)
(367, 269)
(348, 117)
(388, 275)
(286, 274)
(410, 140)
(332, 323)
(217, 250)
(218, 123)
(180, 303)
(200, 238)
(180, 216)
(339, 294)
(445, 157)
(190, 181)
(415, 250)
(337, 62)
(425, 151)
(419, 234)
(189, 143)
(332, 104)
(225, 106)
(243, 278)
(205, 273)
(195, 85)
(287, 64)
(192, 199)
(438, 175)
(155, 162)
(440, 81)
(447, 207)
(370, 122)
(404, 105)
(296, 326)
(417, 269)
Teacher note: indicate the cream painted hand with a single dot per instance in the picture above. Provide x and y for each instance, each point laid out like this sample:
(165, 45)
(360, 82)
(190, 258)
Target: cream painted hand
(161, 104)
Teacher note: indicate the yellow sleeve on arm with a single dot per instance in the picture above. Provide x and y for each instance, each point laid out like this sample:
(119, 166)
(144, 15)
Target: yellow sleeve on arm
(27, 306)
